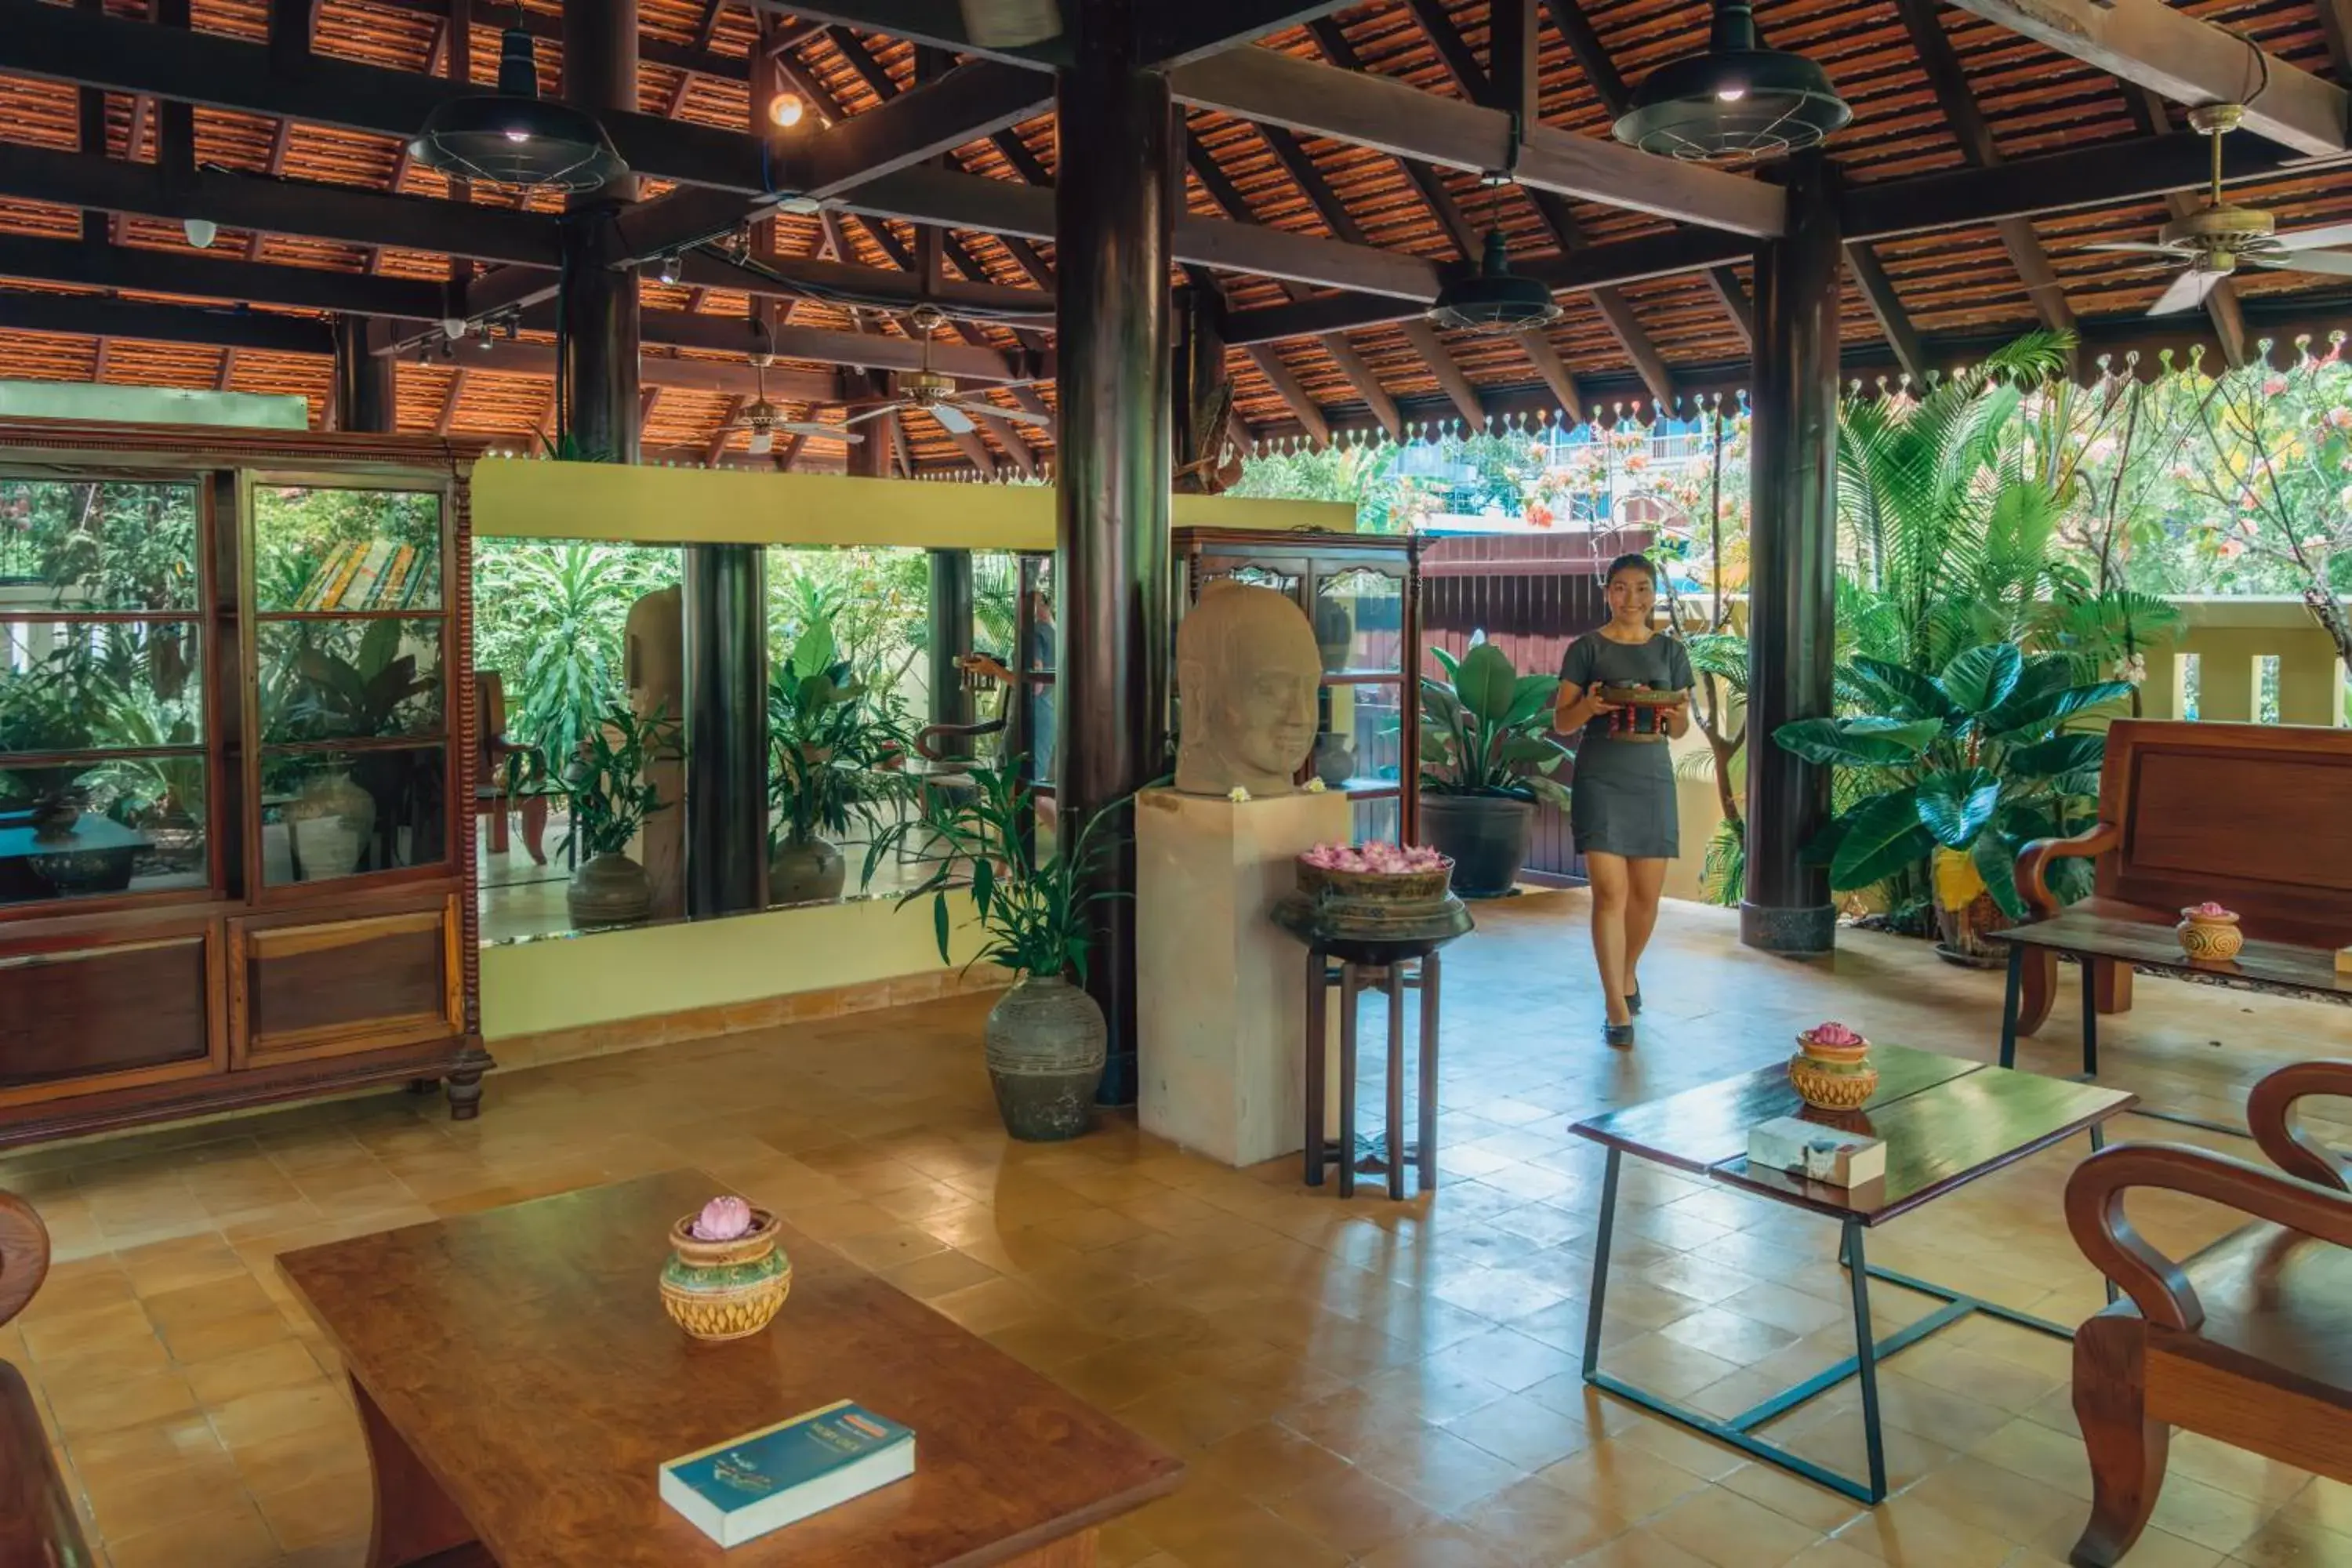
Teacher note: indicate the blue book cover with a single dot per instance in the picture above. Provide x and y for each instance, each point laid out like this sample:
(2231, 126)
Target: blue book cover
(763, 1480)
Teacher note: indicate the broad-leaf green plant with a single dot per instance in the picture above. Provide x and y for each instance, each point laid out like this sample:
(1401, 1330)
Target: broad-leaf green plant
(832, 739)
(1034, 913)
(607, 791)
(1975, 758)
(1485, 728)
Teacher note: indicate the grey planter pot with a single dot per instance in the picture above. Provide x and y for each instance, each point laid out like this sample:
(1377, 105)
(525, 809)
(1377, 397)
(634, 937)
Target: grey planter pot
(1047, 1042)
(806, 871)
(609, 891)
(1487, 835)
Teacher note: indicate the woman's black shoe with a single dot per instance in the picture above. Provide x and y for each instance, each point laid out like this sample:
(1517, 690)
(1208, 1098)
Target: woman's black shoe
(1620, 1035)
(1634, 1000)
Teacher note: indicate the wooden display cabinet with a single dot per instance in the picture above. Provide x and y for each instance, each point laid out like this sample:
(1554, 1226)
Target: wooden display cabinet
(1362, 591)
(235, 755)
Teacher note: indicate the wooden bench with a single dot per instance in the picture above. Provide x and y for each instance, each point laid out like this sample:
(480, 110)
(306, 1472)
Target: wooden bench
(38, 1525)
(2258, 816)
(2247, 1342)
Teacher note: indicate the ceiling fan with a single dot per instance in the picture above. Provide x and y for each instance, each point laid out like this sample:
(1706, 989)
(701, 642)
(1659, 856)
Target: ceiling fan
(936, 393)
(763, 418)
(2219, 239)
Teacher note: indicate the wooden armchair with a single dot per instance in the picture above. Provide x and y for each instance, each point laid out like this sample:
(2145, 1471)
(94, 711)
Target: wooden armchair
(493, 796)
(2248, 1341)
(38, 1525)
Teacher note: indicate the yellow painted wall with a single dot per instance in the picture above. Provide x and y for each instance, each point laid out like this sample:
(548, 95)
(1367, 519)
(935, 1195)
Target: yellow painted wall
(575, 982)
(531, 499)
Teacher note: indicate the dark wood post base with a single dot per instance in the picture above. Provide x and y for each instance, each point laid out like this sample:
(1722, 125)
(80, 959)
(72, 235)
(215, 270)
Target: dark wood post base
(423, 1085)
(464, 1095)
(2128, 1449)
(415, 1520)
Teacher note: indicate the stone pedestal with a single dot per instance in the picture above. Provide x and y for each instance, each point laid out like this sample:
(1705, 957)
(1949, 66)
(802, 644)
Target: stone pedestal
(1221, 991)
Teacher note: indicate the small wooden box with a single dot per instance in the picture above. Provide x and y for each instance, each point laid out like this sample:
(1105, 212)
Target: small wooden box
(1782, 1142)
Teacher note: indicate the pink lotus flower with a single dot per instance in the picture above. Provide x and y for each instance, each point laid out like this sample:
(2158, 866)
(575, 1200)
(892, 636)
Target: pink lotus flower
(1834, 1034)
(2209, 910)
(723, 1219)
(1380, 858)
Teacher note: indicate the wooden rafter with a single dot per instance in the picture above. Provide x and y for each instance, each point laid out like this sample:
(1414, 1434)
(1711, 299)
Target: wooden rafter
(2185, 59)
(1303, 408)
(1894, 321)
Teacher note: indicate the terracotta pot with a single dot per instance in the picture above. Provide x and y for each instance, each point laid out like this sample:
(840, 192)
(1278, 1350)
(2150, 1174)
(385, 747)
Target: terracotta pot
(1335, 761)
(55, 816)
(806, 871)
(1485, 834)
(720, 1290)
(609, 891)
(2210, 939)
(1966, 916)
(1832, 1085)
(1046, 1043)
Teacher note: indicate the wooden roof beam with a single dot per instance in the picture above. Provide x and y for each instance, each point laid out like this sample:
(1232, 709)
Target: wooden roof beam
(1008, 435)
(192, 274)
(1397, 117)
(1368, 386)
(96, 316)
(1303, 408)
(1894, 321)
(694, 59)
(2189, 61)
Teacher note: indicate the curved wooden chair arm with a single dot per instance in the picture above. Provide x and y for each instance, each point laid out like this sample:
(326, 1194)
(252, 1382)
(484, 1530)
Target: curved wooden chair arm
(23, 1255)
(2094, 1213)
(926, 737)
(2270, 1106)
(2033, 862)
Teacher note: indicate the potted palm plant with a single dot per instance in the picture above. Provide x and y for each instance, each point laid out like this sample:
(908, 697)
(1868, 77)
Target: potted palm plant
(835, 746)
(1960, 769)
(1046, 1037)
(610, 798)
(1487, 754)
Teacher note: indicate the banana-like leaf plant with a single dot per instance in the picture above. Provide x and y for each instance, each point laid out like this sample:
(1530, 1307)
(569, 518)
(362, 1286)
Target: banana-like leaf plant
(1485, 728)
(1975, 759)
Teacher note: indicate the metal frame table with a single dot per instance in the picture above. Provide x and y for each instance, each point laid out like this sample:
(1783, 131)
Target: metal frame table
(1945, 1122)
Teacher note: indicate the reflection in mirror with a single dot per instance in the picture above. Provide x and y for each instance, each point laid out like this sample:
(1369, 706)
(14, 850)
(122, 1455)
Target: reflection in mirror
(120, 825)
(87, 545)
(349, 680)
(345, 551)
(99, 685)
(330, 814)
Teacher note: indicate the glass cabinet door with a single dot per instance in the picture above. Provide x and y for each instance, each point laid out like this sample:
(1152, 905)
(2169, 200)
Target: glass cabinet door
(351, 646)
(104, 759)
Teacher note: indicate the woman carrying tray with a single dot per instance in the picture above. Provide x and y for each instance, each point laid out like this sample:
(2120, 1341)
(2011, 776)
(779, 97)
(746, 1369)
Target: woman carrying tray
(1627, 687)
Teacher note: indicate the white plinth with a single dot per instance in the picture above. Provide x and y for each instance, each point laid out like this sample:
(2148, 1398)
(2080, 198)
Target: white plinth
(1222, 992)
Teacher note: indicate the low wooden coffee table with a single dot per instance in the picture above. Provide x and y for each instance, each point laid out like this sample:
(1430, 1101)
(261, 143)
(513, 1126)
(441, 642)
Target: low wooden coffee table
(519, 1385)
(1944, 1121)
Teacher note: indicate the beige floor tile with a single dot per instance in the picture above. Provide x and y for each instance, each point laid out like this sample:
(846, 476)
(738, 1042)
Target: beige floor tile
(1353, 1511)
(1723, 1528)
(231, 1536)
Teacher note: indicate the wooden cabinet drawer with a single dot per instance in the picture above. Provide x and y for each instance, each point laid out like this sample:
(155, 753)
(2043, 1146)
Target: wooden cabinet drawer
(107, 1015)
(342, 986)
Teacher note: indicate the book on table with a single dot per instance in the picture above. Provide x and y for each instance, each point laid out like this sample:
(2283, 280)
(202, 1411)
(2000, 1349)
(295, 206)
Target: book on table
(763, 1480)
(1821, 1153)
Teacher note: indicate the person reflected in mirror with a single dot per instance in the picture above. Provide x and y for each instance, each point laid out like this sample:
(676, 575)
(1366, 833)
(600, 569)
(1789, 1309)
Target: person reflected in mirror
(1626, 687)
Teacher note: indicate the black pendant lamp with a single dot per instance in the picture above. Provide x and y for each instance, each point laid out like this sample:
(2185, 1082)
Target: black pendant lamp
(1494, 300)
(515, 138)
(1736, 100)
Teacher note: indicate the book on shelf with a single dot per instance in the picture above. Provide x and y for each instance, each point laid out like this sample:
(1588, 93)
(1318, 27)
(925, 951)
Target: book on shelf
(763, 1480)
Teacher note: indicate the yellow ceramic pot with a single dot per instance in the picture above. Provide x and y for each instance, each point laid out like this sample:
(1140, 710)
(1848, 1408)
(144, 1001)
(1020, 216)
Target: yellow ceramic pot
(1832, 1086)
(719, 1290)
(2210, 938)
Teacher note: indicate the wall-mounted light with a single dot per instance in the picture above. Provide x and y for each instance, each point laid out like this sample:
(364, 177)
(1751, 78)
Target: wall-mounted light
(785, 110)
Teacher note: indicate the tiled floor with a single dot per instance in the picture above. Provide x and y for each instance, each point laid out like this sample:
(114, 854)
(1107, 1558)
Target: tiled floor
(1351, 1383)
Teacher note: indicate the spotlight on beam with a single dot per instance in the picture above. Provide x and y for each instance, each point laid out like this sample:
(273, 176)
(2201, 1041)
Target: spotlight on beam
(672, 266)
(201, 231)
(785, 110)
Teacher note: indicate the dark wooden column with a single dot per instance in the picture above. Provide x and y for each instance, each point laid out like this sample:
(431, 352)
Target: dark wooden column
(365, 398)
(950, 639)
(1116, 197)
(598, 305)
(1793, 548)
(724, 597)
(1199, 371)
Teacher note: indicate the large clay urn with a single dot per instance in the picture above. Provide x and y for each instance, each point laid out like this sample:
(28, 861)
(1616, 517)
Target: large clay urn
(808, 870)
(609, 891)
(1046, 1042)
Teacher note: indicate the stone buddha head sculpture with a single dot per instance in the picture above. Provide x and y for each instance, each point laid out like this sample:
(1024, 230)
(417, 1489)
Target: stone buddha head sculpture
(1247, 673)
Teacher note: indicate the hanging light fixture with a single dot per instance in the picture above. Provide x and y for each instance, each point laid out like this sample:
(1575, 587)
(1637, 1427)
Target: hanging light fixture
(1736, 101)
(514, 137)
(1494, 300)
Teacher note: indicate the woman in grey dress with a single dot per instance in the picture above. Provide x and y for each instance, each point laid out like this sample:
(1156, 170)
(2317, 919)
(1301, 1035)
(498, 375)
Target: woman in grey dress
(1622, 794)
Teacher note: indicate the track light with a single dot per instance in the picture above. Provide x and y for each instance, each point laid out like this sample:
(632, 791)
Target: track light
(201, 231)
(453, 326)
(785, 110)
(672, 266)
(484, 344)
(512, 326)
